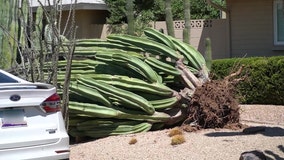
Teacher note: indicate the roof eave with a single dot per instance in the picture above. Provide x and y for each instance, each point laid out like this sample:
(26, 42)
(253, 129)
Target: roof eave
(79, 6)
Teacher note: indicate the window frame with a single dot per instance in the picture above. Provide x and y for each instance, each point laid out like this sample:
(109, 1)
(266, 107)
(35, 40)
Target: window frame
(275, 22)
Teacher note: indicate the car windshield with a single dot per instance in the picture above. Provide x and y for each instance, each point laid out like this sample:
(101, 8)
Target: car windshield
(5, 79)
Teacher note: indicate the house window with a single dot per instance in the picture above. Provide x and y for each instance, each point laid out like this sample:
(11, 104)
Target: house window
(279, 22)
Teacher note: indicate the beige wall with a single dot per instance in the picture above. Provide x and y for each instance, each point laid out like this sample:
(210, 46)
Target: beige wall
(247, 31)
(216, 30)
(85, 19)
(252, 28)
(91, 24)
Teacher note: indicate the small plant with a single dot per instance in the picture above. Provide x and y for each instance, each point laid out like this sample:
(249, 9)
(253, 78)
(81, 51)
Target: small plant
(175, 131)
(132, 141)
(177, 139)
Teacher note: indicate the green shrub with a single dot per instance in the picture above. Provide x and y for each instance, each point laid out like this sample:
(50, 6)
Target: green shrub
(265, 82)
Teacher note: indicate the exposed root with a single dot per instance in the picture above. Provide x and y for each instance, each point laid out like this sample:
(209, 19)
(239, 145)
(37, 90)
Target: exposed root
(214, 104)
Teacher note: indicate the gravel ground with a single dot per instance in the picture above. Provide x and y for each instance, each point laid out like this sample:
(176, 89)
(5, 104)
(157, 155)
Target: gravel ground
(209, 144)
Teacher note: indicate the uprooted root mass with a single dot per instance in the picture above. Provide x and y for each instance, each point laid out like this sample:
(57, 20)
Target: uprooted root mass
(214, 105)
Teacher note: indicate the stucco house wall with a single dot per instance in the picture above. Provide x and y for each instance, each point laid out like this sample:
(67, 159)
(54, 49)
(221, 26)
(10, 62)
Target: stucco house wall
(251, 28)
(88, 13)
(85, 21)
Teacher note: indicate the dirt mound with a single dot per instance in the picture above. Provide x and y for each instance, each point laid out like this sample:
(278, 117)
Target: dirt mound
(214, 105)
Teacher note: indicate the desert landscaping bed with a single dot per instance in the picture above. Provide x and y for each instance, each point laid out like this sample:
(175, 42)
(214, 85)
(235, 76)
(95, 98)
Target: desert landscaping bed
(267, 136)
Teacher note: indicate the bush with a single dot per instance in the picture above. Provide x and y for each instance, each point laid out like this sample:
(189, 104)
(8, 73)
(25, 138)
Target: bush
(264, 84)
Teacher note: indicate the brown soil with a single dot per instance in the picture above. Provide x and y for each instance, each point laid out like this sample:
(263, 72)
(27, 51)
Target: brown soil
(213, 105)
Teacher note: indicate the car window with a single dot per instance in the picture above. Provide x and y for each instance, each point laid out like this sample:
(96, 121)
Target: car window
(5, 79)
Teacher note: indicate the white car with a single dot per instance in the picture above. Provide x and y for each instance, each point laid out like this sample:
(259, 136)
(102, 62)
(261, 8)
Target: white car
(31, 123)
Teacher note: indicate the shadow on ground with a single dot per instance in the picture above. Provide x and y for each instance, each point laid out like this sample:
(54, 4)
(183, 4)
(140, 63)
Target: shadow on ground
(264, 130)
(273, 155)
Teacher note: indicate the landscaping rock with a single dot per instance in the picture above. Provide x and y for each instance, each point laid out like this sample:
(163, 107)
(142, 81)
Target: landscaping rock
(253, 155)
